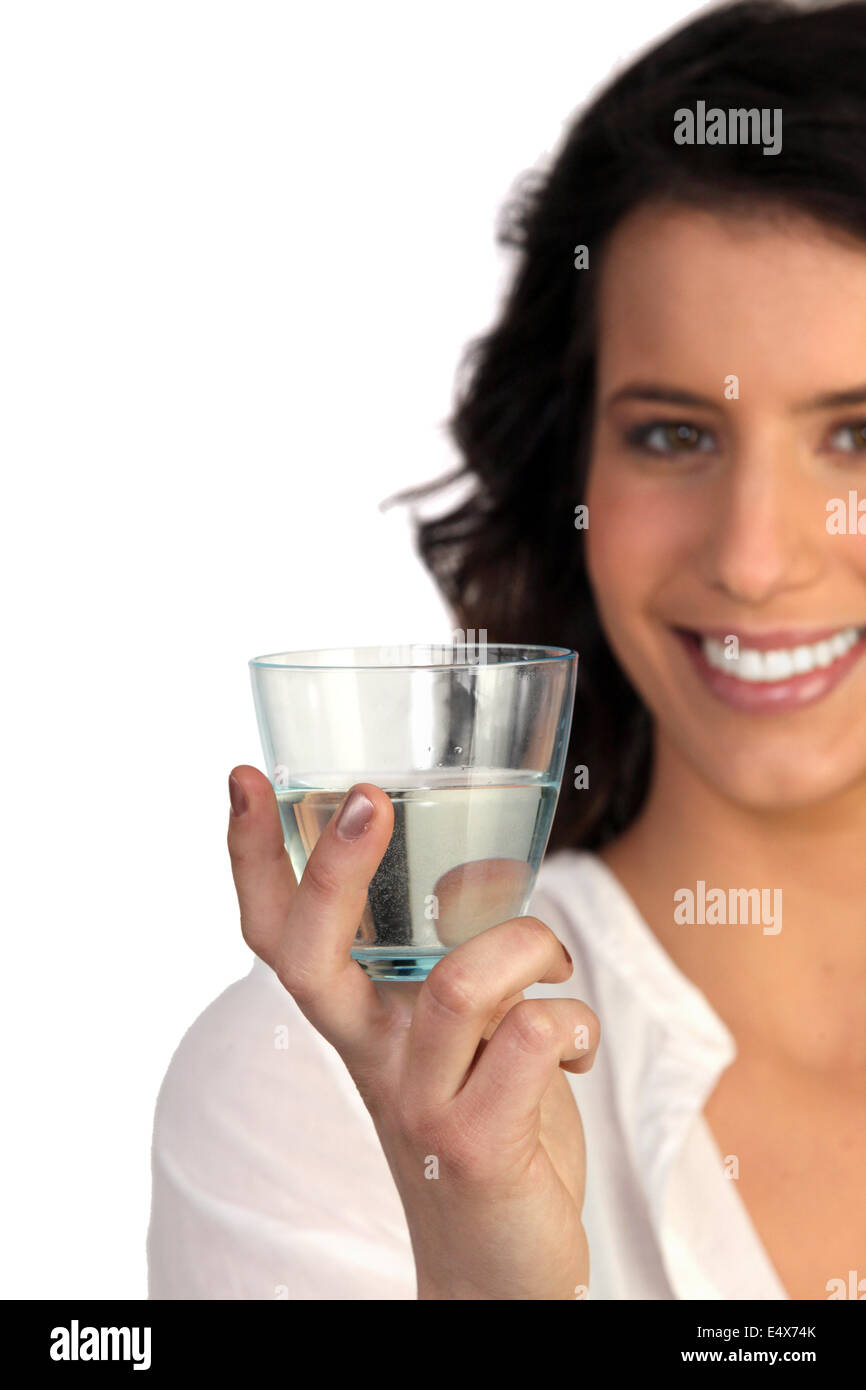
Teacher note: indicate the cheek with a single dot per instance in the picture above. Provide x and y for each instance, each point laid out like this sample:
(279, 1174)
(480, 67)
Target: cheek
(853, 551)
(636, 539)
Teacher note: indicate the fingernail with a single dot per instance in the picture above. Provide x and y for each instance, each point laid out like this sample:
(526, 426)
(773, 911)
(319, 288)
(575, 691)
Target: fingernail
(237, 796)
(355, 816)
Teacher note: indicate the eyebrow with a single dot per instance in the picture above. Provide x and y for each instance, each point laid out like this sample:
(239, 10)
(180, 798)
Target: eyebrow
(654, 391)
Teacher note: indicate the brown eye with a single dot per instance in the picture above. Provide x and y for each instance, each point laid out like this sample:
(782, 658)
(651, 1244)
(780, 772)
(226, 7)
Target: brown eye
(668, 437)
(855, 433)
(682, 436)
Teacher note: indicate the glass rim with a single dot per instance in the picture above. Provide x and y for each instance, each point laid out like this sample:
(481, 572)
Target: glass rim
(542, 655)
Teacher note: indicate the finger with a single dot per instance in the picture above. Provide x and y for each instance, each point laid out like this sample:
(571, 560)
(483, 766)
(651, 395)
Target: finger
(312, 954)
(404, 994)
(462, 994)
(261, 867)
(515, 1070)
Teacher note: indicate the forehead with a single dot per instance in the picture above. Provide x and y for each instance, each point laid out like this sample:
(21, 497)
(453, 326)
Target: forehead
(693, 293)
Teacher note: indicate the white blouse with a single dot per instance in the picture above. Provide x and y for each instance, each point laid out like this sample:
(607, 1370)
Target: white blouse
(269, 1181)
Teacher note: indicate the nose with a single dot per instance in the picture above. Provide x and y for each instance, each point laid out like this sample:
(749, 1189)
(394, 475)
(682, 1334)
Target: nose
(763, 538)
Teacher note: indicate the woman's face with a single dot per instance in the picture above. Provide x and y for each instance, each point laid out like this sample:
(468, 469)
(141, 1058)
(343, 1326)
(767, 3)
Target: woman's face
(731, 595)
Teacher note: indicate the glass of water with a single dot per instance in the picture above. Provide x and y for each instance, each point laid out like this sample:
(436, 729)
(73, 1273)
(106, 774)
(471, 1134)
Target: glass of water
(467, 740)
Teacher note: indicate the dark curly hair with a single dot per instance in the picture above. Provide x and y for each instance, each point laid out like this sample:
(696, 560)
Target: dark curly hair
(508, 558)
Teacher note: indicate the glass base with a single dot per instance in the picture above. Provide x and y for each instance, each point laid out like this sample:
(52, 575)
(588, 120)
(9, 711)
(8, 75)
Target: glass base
(398, 963)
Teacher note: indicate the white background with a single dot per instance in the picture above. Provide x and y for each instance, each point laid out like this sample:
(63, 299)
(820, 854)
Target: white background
(242, 246)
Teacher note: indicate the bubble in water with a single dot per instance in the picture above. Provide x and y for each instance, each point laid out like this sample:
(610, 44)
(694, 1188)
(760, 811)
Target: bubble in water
(458, 749)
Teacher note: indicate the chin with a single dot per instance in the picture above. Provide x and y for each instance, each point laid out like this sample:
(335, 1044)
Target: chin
(763, 773)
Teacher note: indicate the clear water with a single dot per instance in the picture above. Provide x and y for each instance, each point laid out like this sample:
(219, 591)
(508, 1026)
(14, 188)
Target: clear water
(463, 856)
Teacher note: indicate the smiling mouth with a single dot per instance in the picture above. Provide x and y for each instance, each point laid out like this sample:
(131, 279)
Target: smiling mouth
(773, 671)
(779, 663)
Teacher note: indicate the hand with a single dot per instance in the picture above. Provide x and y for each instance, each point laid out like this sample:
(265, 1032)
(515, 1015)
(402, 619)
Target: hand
(461, 1074)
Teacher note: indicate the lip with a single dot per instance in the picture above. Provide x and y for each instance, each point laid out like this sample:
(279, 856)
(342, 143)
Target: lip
(770, 697)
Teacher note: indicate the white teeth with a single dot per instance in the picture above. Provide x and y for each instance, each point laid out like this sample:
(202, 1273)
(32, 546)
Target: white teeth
(778, 666)
(751, 665)
(782, 663)
(824, 653)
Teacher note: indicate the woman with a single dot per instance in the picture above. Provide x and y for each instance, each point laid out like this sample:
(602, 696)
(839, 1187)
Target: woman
(682, 353)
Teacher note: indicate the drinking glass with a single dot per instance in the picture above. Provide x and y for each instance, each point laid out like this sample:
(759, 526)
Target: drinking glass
(468, 741)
